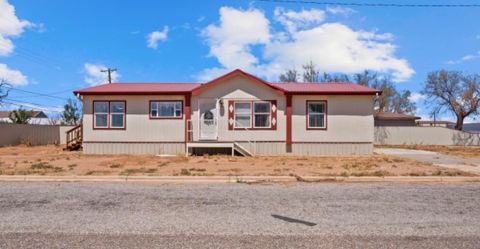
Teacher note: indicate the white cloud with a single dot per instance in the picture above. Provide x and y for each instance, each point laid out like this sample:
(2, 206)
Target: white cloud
(416, 97)
(333, 47)
(10, 27)
(12, 76)
(293, 20)
(94, 76)
(231, 40)
(339, 10)
(468, 57)
(157, 36)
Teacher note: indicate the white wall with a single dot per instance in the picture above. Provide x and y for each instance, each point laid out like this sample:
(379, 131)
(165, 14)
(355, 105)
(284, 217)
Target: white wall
(349, 119)
(139, 127)
(241, 88)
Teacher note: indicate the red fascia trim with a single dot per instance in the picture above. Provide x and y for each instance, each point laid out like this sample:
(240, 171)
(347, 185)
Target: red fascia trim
(326, 115)
(334, 93)
(87, 93)
(108, 116)
(230, 75)
(160, 100)
(289, 118)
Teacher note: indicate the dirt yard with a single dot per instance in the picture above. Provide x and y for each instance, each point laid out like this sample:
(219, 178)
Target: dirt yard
(460, 151)
(52, 160)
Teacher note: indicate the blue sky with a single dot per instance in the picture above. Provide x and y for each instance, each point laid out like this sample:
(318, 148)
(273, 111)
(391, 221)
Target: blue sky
(55, 46)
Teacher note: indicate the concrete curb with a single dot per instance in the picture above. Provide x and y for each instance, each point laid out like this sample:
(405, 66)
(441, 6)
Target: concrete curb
(234, 179)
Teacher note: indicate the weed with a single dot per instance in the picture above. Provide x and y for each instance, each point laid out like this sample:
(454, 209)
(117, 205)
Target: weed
(41, 165)
(163, 164)
(151, 170)
(185, 172)
(344, 174)
(115, 166)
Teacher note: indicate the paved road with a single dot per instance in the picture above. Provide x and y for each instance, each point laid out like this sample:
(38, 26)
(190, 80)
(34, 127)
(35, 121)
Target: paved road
(100, 215)
(471, 165)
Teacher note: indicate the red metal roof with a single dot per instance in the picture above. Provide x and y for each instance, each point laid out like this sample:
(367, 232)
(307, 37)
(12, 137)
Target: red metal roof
(138, 88)
(183, 88)
(326, 88)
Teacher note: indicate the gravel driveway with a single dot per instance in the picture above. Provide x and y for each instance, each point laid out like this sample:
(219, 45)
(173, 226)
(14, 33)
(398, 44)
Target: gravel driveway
(99, 215)
(471, 165)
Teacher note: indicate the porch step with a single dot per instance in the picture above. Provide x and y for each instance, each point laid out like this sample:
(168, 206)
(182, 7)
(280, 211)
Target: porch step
(242, 150)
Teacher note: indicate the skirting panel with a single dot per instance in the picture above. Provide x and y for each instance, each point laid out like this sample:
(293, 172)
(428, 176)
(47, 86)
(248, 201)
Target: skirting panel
(321, 149)
(265, 148)
(139, 148)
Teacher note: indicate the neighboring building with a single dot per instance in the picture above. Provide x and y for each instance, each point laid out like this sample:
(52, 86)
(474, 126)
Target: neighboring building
(471, 127)
(394, 119)
(436, 123)
(237, 111)
(38, 117)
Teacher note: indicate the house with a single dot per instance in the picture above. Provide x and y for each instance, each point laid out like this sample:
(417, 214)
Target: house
(236, 111)
(436, 123)
(38, 117)
(394, 119)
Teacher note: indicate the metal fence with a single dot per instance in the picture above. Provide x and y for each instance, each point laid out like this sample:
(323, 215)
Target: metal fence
(425, 136)
(14, 134)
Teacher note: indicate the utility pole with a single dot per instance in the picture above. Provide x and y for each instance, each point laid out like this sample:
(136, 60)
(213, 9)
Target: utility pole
(109, 71)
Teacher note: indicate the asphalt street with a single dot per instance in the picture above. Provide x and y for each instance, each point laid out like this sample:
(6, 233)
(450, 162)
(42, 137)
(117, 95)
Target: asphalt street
(321, 215)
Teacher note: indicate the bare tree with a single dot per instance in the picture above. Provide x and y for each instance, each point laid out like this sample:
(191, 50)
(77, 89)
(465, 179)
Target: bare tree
(3, 90)
(310, 73)
(454, 92)
(327, 77)
(366, 78)
(290, 76)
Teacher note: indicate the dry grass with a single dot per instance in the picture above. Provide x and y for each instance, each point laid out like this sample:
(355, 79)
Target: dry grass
(52, 160)
(460, 151)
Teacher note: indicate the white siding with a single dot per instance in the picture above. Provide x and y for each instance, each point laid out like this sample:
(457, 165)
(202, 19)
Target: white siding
(349, 119)
(241, 88)
(139, 127)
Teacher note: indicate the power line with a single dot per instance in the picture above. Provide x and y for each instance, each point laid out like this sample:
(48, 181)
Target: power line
(32, 105)
(36, 93)
(356, 4)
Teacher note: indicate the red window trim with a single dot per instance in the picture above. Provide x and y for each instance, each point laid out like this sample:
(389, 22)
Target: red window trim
(307, 115)
(159, 100)
(252, 115)
(109, 116)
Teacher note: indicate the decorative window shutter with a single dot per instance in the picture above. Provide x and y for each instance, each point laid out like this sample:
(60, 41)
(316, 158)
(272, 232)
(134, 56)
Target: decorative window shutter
(274, 111)
(231, 114)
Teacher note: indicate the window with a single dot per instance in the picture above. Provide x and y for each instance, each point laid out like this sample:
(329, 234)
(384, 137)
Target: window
(117, 114)
(253, 115)
(262, 114)
(101, 114)
(166, 109)
(109, 114)
(316, 114)
(243, 115)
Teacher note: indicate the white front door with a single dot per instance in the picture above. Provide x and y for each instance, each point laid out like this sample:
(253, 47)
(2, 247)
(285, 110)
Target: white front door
(208, 119)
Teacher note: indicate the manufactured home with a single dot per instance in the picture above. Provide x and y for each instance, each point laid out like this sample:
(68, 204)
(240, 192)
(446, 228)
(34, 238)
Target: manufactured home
(237, 112)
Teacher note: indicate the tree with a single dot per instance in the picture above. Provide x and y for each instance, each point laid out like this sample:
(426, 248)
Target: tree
(20, 116)
(454, 92)
(71, 113)
(310, 73)
(290, 76)
(334, 78)
(366, 78)
(3, 90)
